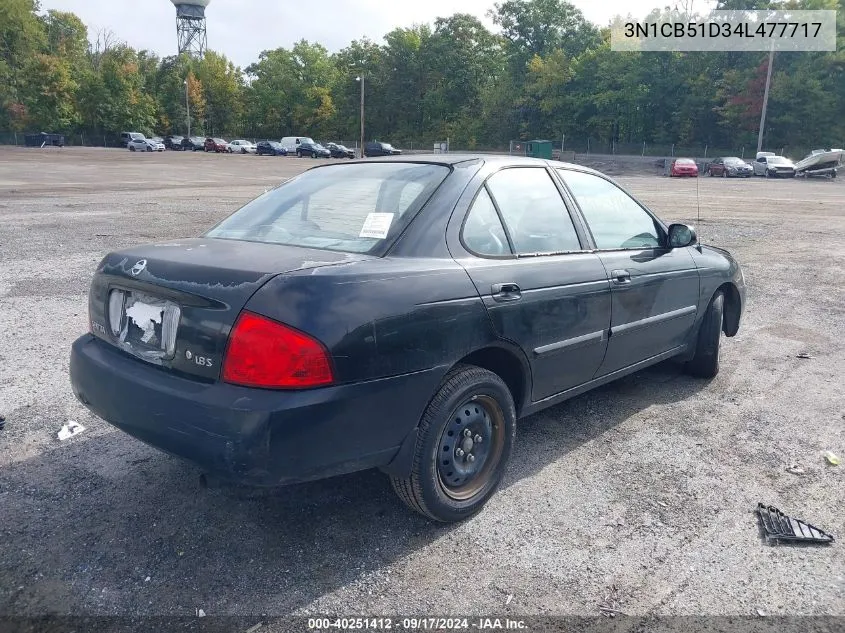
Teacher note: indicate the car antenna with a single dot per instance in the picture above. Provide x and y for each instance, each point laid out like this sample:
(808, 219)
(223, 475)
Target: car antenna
(698, 198)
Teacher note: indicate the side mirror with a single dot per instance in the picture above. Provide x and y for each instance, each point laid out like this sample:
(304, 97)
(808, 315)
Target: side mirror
(681, 236)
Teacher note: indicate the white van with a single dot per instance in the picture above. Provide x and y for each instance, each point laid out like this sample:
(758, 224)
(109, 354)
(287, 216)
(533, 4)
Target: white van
(290, 143)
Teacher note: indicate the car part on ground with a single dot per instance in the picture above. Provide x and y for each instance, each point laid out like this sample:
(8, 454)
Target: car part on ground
(779, 527)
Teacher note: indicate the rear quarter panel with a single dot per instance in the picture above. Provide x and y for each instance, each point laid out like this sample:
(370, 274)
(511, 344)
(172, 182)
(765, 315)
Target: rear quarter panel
(382, 317)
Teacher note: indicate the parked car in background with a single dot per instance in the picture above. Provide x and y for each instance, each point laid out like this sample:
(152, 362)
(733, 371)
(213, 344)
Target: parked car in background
(772, 166)
(291, 143)
(173, 141)
(340, 151)
(145, 145)
(314, 150)
(125, 137)
(730, 167)
(218, 145)
(193, 144)
(270, 148)
(241, 147)
(262, 350)
(683, 167)
(377, 148)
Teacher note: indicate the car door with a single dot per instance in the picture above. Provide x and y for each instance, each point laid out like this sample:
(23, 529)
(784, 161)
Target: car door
(760, 166)
(655, 289)
(543, 288)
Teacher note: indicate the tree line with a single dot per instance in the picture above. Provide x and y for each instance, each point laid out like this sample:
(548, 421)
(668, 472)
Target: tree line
(544, 73)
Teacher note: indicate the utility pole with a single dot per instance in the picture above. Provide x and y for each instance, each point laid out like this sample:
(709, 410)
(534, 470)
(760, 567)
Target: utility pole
(361, 79)
(765, 99)
(188, 108)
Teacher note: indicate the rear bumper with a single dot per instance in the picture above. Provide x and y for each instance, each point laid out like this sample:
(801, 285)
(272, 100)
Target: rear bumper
(253, 436)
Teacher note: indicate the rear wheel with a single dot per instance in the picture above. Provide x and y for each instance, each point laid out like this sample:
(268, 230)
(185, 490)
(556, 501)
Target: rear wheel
(465, 440)
(705, 363)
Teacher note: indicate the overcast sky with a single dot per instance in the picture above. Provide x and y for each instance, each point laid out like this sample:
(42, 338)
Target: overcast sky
(241, 29)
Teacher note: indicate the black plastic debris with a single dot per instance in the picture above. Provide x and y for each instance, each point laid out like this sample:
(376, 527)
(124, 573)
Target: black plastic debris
(780, 527)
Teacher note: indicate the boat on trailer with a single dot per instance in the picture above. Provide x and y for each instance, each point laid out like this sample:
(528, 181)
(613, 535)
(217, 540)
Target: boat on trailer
(820, 162)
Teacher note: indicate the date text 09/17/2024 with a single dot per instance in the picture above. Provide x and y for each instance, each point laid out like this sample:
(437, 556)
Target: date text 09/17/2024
(415, 624)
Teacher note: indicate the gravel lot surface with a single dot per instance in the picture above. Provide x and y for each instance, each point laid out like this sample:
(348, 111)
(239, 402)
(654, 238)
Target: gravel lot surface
(639, 495)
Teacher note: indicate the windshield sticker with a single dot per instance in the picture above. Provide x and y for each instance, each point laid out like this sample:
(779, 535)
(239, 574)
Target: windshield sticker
(377, 225)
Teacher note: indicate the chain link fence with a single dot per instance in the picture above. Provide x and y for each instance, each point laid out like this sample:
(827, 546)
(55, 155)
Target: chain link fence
(564, 146)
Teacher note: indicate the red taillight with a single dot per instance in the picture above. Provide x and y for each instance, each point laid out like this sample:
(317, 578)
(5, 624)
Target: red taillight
(265, 353)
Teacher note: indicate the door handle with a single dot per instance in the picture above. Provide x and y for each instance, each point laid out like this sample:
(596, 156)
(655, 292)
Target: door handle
(506, 292)
(621, 276)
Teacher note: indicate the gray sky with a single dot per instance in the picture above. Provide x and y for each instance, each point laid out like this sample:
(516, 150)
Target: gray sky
(241, 29)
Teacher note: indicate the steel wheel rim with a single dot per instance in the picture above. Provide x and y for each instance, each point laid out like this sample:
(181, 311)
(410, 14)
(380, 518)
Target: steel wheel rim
(465, 464)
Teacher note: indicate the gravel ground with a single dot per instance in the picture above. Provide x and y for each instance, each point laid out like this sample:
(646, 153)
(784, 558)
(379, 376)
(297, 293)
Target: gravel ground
(640, 493)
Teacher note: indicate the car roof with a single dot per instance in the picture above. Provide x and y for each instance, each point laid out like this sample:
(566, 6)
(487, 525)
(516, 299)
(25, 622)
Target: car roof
(455, 159)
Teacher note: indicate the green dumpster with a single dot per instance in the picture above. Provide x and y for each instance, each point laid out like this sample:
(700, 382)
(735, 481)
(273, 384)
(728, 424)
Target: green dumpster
(539, 149)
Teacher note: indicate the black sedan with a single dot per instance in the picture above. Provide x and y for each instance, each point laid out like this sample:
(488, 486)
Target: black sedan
(314, 150)
(270, 148)
(340, 151)
(193, 144)
(376, 149)
(396, 314)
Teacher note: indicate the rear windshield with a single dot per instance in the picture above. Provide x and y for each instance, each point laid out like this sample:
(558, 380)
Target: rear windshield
(778, 160)
(352, 208)
(685, 161)
(734, 161)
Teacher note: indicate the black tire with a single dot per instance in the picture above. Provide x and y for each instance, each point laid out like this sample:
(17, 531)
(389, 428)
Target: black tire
(477, 401)
(725, 174)
(313, 154)
(705, 363)
(132, 148)
(243, 150)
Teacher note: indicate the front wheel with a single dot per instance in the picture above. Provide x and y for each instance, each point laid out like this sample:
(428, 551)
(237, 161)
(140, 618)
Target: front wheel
(705, 362)
(131, 149)
(724, 174)
(464, 441)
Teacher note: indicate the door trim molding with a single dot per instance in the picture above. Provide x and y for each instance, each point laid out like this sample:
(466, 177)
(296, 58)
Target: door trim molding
(571, 343)
(653, 320)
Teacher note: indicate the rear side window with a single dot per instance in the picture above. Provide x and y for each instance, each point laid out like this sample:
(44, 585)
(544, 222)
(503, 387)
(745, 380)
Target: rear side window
(483, 233)
(533, 210)
(351, 208)
(615, 219)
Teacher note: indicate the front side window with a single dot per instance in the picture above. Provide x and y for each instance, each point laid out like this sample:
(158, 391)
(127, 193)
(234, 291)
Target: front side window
(533, 211)
(350, 208)
(615, 219)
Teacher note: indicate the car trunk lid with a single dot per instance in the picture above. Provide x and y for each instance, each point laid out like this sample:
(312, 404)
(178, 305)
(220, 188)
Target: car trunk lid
(173, 304)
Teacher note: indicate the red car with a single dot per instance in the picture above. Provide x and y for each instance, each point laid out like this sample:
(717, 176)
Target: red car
(216, 145)
(684, 167)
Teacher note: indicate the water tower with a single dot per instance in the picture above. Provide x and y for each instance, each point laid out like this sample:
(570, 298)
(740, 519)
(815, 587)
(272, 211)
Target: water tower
(190, 26)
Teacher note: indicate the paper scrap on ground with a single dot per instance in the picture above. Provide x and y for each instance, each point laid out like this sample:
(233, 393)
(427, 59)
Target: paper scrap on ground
(70, 429)
(377, 225)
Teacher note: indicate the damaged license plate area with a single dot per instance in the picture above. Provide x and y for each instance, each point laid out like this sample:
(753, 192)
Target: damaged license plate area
(144, 325)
